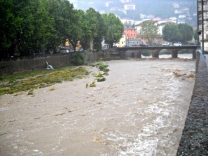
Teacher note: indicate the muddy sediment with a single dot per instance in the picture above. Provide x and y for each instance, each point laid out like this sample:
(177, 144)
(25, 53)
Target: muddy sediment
(139, 110)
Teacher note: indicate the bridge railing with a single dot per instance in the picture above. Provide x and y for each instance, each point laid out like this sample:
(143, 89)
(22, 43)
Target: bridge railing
(155, 51)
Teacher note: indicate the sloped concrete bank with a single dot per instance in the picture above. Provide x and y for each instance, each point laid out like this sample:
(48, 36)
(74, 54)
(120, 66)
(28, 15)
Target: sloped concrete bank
(194, 141)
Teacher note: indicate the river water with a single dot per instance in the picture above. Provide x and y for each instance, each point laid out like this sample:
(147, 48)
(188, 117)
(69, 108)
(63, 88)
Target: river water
(139, 110)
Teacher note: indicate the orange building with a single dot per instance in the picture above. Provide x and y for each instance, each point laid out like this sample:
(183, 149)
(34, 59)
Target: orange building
(130, 33)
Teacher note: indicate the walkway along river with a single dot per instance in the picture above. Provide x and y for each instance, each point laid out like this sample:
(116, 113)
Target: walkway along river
(139, 110)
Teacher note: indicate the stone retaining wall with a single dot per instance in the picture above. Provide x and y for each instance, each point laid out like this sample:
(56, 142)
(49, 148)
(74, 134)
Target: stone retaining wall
(62, 60)
(40, 63)
(194, 141)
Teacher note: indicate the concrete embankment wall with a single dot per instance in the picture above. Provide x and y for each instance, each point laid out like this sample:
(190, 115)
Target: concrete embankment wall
(62, 60)
(40, 63)
(194, 141)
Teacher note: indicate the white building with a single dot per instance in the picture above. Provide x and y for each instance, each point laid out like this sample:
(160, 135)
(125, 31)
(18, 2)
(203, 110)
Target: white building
(122, 41)
(128, 7)
(173, 19)
(181, 19)
(125, 1)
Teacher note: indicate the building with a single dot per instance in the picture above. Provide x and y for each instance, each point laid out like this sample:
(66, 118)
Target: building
(134, 42)
(130, 33)
(129, 7)
(122, 42)
(125, 1)
(181, 19)
(203, 23)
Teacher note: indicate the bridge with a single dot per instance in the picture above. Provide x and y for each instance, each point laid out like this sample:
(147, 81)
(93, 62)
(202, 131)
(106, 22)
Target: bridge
(155, 51)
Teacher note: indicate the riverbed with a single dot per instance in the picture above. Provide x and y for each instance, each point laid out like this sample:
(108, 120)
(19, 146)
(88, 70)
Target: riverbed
(139, 110)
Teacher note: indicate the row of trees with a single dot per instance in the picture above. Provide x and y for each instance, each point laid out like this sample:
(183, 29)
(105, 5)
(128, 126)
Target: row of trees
(171, 32)
(28, 27)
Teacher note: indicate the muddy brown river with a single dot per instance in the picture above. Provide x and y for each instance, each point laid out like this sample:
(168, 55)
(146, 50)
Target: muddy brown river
(139, 110)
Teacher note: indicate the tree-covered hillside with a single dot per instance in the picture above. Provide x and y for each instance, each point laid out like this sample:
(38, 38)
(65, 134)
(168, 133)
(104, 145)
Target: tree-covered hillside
(156, 8)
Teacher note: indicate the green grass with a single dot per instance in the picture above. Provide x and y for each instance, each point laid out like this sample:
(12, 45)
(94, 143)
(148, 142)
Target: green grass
(26, 81)
(102, 67)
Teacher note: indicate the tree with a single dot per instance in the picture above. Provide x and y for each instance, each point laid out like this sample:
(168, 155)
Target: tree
(186, 32)
(88, 28)
(177, 33)
(101, 32)
(25, 26)
(91, 26)
(171, 33)
(113, 28)
(78, 28)
(10, 26)
(196, 36)
(149, 31)
(28, 27)
(63, 14)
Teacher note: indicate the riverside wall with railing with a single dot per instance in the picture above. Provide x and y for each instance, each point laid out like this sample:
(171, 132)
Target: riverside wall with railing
(61, 60)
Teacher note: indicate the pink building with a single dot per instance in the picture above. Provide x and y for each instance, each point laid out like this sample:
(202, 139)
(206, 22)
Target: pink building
(130, 33)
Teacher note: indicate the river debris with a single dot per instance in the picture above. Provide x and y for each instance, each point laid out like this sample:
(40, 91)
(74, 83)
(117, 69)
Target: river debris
(52, 89)
(48, 66)
(30, 92)
(183, 75)
(100, 76)
(92, 84)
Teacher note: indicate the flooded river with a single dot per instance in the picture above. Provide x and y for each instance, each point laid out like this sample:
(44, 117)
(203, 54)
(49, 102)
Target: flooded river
(139, 110)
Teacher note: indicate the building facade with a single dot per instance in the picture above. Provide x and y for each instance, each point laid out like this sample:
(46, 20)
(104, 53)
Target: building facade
(130, 33)
(202, 13)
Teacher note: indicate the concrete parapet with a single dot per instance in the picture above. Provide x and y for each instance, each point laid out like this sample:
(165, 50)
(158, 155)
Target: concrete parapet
(194, 141)
(56, 61)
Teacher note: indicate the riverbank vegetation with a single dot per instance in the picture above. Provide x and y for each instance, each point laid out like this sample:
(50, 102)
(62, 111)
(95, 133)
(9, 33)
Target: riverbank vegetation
(30, 28)
(178, 33)
(28, 81)
(100, 76)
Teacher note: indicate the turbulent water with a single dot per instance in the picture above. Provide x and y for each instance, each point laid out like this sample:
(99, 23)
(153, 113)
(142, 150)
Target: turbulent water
(139, 110)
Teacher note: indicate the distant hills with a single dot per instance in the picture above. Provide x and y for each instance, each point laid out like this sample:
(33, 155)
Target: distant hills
(183, 10)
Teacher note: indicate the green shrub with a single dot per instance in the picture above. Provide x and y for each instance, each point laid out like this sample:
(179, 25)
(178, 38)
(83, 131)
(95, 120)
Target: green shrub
(100, 77)
(102, 67)
(77, 59)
